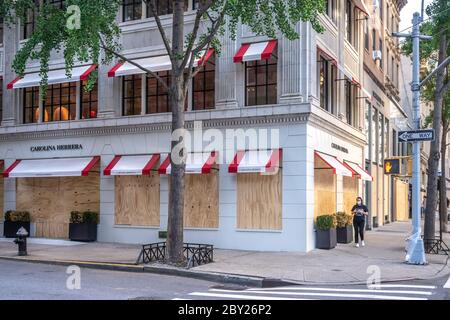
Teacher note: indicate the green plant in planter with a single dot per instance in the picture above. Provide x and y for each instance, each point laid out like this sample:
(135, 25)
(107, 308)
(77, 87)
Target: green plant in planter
(326, 222)
(17, 216)
(78, 217)
(343, 219)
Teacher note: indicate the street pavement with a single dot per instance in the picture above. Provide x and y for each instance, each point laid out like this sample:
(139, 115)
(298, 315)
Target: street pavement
(22, 280)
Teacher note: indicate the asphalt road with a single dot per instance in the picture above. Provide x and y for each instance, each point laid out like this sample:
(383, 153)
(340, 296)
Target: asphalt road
(20, 280)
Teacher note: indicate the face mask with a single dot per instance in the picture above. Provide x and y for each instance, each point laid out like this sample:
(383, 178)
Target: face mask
(359, 203)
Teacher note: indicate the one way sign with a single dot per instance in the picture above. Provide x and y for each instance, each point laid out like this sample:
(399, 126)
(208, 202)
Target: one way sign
(417, 135)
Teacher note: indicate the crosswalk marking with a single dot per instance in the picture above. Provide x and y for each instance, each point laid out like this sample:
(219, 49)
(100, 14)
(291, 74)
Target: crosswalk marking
(447, 284)
(345, 290)
(240, 296)
(320, 294)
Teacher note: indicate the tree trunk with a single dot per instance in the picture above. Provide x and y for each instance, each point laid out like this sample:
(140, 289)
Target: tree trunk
(176, 99)
(433, 160)
(443, 182)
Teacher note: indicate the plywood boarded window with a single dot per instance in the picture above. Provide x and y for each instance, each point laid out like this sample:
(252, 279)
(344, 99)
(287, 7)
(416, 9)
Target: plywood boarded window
(201, 200)
(324, 188)
(259, 201)
(350, 187)
(50, 201)
(137, 200)
(401, 206)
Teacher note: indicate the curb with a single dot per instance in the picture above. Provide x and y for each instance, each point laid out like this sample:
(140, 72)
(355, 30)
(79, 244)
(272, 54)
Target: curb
(200, 275)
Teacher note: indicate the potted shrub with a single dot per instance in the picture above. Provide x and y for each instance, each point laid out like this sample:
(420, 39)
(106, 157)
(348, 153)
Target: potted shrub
(14, 220)
(344, 228)
(83, 226)
(326, 231)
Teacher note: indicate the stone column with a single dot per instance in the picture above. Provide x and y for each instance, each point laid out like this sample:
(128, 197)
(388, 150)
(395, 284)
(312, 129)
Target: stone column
(10, 47)
(291, 57)
(108, 93)
(226, 74)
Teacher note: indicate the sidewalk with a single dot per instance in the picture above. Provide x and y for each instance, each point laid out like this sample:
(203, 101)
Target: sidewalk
(345, 264)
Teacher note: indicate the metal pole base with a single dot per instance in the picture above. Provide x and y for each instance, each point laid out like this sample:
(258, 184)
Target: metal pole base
(416, 253)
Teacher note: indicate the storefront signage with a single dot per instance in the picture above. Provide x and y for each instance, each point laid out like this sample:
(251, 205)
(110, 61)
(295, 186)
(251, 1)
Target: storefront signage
(59, 147)
(338, 147)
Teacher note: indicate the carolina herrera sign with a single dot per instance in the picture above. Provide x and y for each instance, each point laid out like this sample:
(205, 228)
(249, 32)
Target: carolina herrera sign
(60, 147)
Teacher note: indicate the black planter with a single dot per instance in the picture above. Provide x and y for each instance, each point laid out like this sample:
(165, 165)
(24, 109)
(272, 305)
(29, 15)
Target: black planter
(345, 234)
(326, 239)
(10, 228)
(86, 232)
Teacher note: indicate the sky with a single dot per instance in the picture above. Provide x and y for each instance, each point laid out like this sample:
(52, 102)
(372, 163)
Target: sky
(406, 14)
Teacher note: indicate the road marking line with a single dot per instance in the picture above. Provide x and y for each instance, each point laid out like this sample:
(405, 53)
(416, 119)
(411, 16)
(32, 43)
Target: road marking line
(181, 299)
(447, 284)
(240, 296)
(362, 296)
(427, 293)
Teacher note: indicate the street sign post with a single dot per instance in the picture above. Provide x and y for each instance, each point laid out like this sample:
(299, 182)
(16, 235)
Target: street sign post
(416, 135)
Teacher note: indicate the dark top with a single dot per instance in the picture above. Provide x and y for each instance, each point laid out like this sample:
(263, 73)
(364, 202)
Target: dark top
(358, 209)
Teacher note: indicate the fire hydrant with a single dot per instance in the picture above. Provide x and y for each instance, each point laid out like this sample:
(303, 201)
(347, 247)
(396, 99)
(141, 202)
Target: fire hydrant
(21, 241)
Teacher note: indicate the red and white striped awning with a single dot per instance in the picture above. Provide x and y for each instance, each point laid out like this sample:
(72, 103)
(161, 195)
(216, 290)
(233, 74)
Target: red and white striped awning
(196, 163)
(328, 55)
(359, 4)
(334, 164)
(358, 171)
(256, 161)
(154, 64)
(350, 76)
(61, 167)
(255, 51)
(54, 77)
(132, 165)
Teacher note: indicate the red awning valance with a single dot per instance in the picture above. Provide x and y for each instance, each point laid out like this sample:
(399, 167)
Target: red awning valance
(61, 167)
(255, 51)
(196, 163)
(261, 161)
(334, 164)
(132, 165)
(358, 171)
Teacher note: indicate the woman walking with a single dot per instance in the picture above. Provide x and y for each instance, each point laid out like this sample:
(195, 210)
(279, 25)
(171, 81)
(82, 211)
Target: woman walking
(360, 212)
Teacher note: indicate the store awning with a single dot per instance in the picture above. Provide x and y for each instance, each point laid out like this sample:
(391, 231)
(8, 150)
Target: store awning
(132, 165)
(255, 51)
(196, 163)
(337, 166)
(62, 167)
(54, 77)
(360, 172)
(154, 64)
(258, 161)
(359, 4)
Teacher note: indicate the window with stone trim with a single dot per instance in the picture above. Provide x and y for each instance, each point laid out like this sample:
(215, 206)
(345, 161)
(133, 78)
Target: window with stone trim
(157, 95)
(60, 102)
(132, 95)
(1, 30)
(131, 10)
(1, 100)
(28, 25)
(31, 101)
(164, 7)
(326, 76)
(89, 102)
(261, 81)
(203, 87)
(350, 103)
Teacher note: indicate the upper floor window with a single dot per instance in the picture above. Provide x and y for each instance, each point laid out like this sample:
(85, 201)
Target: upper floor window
(31, 104)
(366, 34)
(348, 20)
(380, 9)
(29, 24)
(350, 103)
(58, 3)
(327, 74)
(61, 102)
(203, 87)
(387, 17)
(164, 7)
(89, 102)
(261, 81)
(374, 40)
(1, 30)
(381, 49)
(132, 10)
(157, 95)
(132, 95)
(330, 9)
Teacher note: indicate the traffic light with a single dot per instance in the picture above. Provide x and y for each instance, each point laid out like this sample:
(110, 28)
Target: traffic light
(392, 166)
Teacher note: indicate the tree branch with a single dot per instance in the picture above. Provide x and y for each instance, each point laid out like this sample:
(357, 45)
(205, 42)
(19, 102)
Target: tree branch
(122, 57)
(164, 37)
